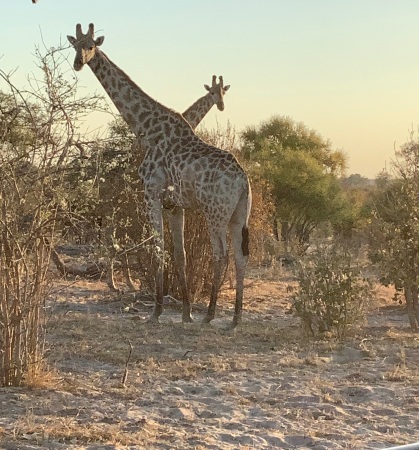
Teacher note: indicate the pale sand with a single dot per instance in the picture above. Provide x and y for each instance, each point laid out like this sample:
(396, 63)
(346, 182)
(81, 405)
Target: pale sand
(262, 386)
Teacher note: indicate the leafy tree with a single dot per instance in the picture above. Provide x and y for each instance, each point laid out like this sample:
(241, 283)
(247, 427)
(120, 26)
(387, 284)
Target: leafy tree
(394, 230)
(301, 170)
(356, 181)
(358, 191)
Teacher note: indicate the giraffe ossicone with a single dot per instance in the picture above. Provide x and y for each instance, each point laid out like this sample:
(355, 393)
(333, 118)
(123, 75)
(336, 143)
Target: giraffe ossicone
(203, 177)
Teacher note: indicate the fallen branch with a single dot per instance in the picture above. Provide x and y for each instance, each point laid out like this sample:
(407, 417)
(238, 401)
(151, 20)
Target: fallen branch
(125, 375)
(91, 270)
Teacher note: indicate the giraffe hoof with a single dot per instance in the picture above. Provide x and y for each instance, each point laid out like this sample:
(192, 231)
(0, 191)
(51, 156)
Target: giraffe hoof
(187, 319)
(153, 319)
(235, 323)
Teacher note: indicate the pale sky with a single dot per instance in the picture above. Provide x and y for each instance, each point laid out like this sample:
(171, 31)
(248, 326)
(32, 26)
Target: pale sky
(348, 69)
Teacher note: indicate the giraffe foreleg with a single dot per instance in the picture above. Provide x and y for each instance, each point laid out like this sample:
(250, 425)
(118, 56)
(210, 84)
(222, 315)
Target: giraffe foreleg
(176, 219)
(156, 220)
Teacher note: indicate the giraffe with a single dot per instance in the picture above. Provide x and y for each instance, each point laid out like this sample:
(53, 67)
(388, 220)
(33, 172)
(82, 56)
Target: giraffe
(179, 171)
(215, 96)
(194, 115)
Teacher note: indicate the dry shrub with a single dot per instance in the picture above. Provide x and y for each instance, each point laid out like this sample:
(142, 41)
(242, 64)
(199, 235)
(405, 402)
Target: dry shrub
(27, 215)
(37, 135)
(198, 258)
(128, 236)
(128, 231)
(23, 288)
(265, 248)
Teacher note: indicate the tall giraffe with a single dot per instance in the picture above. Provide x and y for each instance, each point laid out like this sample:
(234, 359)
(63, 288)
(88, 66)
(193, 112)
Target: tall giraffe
(179, 171)
(194, 116)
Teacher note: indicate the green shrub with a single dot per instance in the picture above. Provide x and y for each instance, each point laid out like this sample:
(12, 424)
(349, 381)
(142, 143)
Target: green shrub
(332, 294)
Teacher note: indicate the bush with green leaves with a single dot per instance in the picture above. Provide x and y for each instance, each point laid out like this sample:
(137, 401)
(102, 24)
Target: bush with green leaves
(300, 171)
(394, 228)
(332, 294)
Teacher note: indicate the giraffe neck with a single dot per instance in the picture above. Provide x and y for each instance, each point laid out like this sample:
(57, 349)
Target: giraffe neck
(198, 110)
(146, 117)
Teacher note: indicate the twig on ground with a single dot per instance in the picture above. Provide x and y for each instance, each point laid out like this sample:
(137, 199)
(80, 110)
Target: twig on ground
(125, 376)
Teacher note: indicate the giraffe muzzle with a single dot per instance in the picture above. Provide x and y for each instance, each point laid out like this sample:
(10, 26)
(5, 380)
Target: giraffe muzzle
(78, 65)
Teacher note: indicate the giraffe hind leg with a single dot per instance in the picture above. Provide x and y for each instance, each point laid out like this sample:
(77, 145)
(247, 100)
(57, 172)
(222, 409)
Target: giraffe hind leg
(176, 219)
(239, 233)
(220, 255)
(240, 242)
(245, 241)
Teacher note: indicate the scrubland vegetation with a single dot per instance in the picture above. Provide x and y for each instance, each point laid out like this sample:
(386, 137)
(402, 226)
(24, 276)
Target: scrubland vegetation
(335, 239)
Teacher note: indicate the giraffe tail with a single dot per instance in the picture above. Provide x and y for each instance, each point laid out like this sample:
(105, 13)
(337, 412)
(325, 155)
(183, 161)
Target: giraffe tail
(245, 228)
(245, 241)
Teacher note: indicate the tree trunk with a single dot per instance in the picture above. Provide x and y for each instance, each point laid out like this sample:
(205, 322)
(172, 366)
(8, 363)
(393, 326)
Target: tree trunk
(415, 306)
(411, 296)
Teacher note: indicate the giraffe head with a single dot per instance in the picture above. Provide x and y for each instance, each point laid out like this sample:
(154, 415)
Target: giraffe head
(85, 45)
(217, 91)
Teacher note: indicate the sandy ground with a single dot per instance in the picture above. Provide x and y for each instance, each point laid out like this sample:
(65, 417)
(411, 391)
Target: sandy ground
(264, 385)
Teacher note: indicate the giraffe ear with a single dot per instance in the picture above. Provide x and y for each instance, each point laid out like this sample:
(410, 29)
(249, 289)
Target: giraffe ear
(207, 87)
(71, 39)
(226, 88)
(99, 41)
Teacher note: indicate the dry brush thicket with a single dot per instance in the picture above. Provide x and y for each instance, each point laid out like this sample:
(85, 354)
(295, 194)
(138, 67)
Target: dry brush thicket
(38, 136)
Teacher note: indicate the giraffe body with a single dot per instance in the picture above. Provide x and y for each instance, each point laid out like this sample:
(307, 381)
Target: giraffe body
(179, 171)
